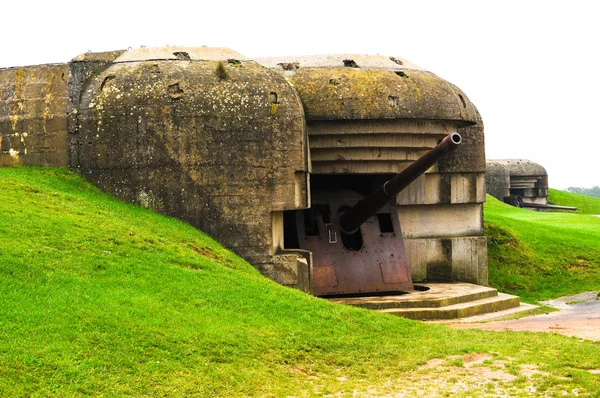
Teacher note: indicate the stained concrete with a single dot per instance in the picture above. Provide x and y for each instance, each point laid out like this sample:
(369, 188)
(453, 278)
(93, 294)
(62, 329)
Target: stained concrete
(33, 115)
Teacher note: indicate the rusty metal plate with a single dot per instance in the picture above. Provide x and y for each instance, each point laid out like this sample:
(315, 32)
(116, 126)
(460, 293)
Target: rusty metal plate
(393, 272)
(380, 265)
(324, 276)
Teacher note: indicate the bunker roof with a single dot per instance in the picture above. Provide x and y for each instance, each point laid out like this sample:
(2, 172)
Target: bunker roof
(352, 86)
(516, 167)
(164, 54)
(342, 60)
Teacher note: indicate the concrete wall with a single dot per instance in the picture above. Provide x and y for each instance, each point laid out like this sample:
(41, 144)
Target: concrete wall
(33, 115)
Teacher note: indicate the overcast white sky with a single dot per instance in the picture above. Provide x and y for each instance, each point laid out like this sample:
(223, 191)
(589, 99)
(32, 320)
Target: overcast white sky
(531, 67)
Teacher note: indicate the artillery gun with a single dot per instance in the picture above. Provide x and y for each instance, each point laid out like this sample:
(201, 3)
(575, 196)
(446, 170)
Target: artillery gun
(356, 242)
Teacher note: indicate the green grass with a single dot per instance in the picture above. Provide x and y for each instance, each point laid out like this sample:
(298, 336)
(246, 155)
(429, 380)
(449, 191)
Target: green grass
(99, 298)
(585, 204)
(541, 255)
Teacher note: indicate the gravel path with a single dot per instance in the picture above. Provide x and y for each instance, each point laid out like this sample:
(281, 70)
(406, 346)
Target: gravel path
(578, 316)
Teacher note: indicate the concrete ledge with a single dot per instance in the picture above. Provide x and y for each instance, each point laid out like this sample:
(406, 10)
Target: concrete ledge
(438, 295)
(440, 301)
(461, 310)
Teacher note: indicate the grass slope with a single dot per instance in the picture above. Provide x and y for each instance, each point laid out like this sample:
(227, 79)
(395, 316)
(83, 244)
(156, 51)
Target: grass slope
(541, 255)
(585, 204)
(98, 297)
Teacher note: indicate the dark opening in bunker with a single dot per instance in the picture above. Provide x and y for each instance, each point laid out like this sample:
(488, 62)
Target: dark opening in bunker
(363, 184)
(311, 224)
(517, 192)
(386, 225)
(325, 212)
(290, 230)
(352, 241)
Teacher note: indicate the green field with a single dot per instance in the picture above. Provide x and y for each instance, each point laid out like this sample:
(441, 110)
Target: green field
(102, 298)
(542, 255)
(585, 204)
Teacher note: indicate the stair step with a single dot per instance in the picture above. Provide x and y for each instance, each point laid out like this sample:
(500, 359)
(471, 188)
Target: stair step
(460, 310)
(437, 295)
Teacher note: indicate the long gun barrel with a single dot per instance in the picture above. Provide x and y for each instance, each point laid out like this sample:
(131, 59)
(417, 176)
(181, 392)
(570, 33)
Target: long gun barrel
(351, 220)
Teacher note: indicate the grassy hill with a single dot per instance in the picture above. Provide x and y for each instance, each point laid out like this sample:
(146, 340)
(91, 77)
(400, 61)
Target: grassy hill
(542, 255)
(585, 204)
(98, 297)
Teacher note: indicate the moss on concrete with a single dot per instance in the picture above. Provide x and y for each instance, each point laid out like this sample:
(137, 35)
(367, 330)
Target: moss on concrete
(353, 93)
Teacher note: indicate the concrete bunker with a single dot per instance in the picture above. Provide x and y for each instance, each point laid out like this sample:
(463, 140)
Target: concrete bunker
(228, 144)
(367, 118)
(510, 179)
(520, 183)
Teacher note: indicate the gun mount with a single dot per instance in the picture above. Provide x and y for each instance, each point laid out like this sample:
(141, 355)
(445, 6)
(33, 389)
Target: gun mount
(356, 242)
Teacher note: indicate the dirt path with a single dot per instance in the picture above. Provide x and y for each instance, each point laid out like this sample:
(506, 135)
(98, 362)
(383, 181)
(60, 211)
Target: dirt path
(578, 316)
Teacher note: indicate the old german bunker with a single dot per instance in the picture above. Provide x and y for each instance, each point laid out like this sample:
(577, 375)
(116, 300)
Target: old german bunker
(511, 180)
(265, 154)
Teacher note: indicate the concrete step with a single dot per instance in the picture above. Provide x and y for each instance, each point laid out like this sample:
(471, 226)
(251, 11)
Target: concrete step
(439, 301)
(432, 295)
(461, 310)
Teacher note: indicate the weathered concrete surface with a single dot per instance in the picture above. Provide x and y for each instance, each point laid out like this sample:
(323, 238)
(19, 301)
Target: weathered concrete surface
(448, 259)
(372, 146)
(290, 64)
(351, 86)
(33, 115)
(431, 295)
(379, 88)
(202, 135)
(444, 188)
(443, 220)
